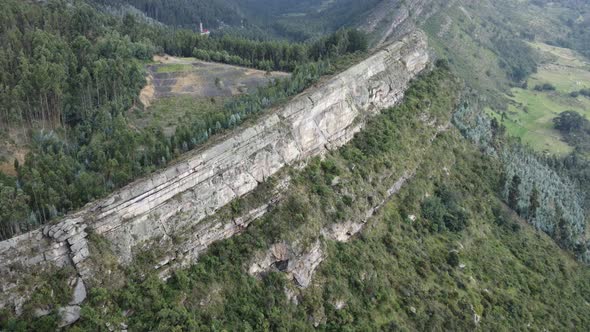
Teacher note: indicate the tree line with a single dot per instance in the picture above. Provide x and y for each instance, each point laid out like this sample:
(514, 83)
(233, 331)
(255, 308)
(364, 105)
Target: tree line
(540, 189)
(265, 55)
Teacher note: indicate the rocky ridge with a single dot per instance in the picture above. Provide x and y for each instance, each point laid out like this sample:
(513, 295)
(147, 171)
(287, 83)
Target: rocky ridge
(391, 19)
(175, 200)
(300, 262)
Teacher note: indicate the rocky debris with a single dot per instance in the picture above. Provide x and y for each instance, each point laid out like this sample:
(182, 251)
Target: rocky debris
(476, 317)
(292, 295)
(342, 232)
(201, 238)
(303, 268)
(69, 315)
(299, 264)
(19, 302)
(318, 317)
(69, 243)
(79, 292)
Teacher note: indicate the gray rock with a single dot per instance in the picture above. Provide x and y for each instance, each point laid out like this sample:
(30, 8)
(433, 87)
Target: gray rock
(176, 200)
(299, 265)
(69, 315)
(41, 312)
(79, 292)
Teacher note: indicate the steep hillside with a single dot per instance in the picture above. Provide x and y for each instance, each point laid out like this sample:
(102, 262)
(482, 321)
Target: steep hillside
(87, 71)
(338, 253)
(165, 213)
(429, 171)
(182, 13)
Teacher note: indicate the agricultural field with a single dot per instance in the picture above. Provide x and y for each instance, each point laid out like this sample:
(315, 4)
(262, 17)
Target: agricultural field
(531, 112)
(178, 88)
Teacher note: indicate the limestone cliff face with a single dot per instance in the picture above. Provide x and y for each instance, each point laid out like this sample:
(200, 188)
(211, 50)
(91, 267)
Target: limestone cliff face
(391, 19)
(173, 201)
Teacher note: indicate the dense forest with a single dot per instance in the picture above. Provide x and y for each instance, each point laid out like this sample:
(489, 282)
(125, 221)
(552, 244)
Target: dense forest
(261, 19)
(184, 13)
(76, 79)
(532, 185)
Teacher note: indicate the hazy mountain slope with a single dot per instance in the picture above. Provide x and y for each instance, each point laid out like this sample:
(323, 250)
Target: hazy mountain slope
(431, 218)
(184, 13)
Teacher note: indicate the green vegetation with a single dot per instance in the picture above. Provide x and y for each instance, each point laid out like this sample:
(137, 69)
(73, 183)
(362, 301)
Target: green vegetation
(453, 250)
(170, 112)
(549, 93)
(493, 272)
(529, 184)
(184, 13)
(85, 73)
(575, 129)
(173, 67)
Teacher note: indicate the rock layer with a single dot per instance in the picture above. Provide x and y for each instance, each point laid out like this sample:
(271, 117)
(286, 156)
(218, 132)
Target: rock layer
(179, 197)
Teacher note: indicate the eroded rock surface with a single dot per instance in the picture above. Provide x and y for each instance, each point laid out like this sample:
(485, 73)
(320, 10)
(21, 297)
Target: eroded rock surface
(301, 263)
(175, 201)
(298, 263)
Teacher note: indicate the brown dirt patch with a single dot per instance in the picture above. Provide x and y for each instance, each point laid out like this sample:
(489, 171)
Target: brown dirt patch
(148, 93)
(12, 146)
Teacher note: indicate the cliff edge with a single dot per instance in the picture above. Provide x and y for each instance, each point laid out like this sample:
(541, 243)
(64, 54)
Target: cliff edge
(175, 200)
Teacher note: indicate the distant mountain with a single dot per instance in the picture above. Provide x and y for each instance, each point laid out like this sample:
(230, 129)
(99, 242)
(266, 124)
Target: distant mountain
(279, 18)
(184, 13)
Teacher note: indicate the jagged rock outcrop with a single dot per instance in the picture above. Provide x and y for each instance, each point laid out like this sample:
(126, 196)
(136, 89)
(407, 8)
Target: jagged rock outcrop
(300, 263)
(177, 199)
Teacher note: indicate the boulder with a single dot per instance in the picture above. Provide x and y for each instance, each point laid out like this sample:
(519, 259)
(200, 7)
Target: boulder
(79, 292)
(69, 315)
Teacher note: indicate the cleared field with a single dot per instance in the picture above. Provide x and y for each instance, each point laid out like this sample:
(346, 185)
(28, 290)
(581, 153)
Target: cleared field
(171, 76)
(179, 88)
(530, 114)
(565, 69)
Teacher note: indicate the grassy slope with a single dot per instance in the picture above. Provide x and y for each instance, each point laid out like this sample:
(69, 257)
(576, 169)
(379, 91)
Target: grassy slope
(463, 34)
(169, 112)
(531, 113)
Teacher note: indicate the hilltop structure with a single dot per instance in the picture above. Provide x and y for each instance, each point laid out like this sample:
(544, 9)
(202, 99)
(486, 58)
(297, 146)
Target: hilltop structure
(204, 32)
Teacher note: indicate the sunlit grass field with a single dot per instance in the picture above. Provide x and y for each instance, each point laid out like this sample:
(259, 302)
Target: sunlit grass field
(530, 114)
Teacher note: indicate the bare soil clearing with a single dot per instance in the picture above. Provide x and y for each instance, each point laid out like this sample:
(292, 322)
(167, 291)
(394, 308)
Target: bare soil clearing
(180, 88)
(172, 76)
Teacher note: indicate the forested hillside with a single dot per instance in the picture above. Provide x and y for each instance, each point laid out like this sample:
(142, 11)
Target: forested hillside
(184, 13)
(74, 81)
(434, 257)
(259, 19)
(469, 201)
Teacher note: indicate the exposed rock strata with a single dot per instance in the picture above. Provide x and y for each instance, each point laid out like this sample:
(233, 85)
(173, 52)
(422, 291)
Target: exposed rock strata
(300, 264)
(177, 199)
